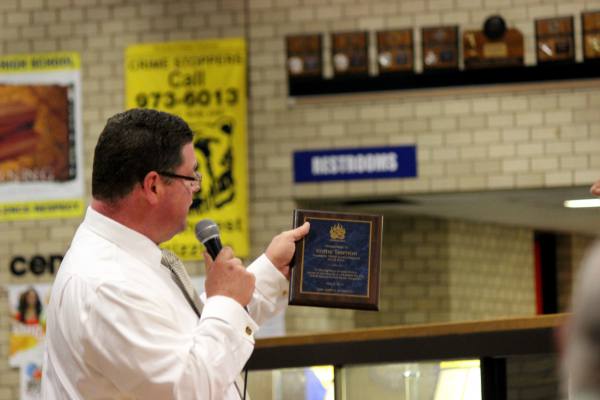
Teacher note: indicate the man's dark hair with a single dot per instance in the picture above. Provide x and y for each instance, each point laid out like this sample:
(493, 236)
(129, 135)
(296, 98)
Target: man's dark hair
(132, 144)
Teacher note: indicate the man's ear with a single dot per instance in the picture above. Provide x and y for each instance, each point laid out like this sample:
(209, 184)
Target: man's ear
(152, 187)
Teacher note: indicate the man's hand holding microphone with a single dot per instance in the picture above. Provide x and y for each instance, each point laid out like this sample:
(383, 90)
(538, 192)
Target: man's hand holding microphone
(225, 273)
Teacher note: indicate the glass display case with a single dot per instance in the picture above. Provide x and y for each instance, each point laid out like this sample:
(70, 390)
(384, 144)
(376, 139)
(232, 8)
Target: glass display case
(503, 359)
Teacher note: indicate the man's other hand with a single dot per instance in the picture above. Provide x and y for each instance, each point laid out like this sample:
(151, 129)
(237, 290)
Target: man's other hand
(595, 189)
(282, 248)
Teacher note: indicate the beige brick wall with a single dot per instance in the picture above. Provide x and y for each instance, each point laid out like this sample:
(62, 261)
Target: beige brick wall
(415, 273)
(436, 270)
(492, 271)
(490, 138)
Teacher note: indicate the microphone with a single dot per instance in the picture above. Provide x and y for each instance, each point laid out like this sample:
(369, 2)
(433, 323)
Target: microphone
(207, 232)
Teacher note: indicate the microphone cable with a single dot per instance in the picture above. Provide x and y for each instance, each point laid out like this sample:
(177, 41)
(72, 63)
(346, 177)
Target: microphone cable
(245, 382)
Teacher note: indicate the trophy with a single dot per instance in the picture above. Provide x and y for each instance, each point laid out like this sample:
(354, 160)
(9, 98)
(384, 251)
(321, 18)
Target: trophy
(304, 57)
(440, 48)
(590, 22)
(493, 46)
(337, 264)
(555, 41)
(395, 52)
(349, 53)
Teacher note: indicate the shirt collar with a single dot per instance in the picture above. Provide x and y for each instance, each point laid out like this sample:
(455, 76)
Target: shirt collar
(126, 238)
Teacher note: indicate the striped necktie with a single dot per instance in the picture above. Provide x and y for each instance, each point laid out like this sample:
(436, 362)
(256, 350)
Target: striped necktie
(182, 279)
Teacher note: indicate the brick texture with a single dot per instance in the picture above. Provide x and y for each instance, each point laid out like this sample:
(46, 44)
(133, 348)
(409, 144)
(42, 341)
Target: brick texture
(432, 269)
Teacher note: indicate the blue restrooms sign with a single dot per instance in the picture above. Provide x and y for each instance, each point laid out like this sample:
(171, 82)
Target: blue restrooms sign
(357, 163)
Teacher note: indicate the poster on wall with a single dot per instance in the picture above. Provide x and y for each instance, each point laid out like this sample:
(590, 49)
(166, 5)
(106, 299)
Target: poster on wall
(27, 305)
(204, 82)
(41, 167)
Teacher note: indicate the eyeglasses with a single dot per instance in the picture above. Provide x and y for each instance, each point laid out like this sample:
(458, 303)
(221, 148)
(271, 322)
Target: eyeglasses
(195, 180)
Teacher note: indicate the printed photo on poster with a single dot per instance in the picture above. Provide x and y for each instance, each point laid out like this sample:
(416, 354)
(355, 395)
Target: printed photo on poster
(41, 167)
(36, 139)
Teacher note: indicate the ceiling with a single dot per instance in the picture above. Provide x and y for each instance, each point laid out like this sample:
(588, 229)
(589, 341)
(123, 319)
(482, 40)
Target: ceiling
(540, 209)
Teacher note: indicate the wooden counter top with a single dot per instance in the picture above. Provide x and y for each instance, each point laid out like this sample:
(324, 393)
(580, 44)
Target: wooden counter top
(422, 330)
(526, 335)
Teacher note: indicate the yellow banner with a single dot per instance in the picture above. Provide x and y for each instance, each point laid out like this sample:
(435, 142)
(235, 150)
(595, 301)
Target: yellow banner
(41, 210)
(204, 82)
(39, 62)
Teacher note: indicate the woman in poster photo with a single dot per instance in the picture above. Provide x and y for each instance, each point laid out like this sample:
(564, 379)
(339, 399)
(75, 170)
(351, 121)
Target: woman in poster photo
(29, 309)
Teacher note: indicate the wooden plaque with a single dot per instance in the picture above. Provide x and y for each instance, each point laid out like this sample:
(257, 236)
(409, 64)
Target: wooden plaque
(555, 40)
(349, 53)
(304, 56)
(337, 264)
(440, 47)
(395, 51)
(590, 23)
(481, 52)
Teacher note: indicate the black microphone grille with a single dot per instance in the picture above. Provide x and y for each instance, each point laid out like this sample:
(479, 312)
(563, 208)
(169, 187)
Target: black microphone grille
(206, 229)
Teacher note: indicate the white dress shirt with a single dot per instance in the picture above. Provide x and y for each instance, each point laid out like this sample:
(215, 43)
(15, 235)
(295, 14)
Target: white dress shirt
(118, 327)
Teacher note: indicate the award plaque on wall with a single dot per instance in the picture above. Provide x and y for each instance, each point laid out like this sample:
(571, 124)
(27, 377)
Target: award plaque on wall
(494, 46)
(304, 56)
(337, 264)
(590, 22)
(481, 52)
(555, 40)
(349, 53)
(395, 51)
(440, 48)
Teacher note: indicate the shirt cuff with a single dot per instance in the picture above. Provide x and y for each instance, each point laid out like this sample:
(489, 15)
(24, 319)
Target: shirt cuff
(230, 311)
(270, 282)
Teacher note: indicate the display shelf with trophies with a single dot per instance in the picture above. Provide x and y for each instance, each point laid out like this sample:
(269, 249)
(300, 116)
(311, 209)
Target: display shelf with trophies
(494, 55)
(413, 81)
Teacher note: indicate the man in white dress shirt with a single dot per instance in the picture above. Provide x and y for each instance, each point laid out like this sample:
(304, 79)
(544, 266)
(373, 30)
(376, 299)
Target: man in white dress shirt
(118, 326)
